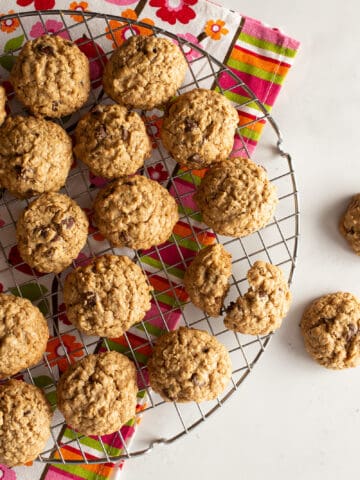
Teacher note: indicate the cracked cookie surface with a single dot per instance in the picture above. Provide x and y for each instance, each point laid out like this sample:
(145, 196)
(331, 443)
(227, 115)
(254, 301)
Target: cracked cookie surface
(23, 334)
(51, 76)
(25, 417)
(198, 128)
(144, 72)
(189, 365)
(236, 198)
(97, 395)
(350, 224)
(50, 232)
(135, 212)
(107, 296)
(262, 309)
(331, 330)
(112, 141)
(206, 279)
(35, 156)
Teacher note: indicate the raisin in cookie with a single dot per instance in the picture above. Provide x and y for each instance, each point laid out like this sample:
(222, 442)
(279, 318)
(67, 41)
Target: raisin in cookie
(331, 330)
(262, 309)
(50, 232)
(2, 105)
(35, 156)
(107, 296)
(206, 280)
(25, 417)
(97, 395)
(135, 212)
(144, 72)
(189, 364)
(350, 224)
(236, 198)
(112, 141)
(199, 128)
(51, 76)
(23, 334)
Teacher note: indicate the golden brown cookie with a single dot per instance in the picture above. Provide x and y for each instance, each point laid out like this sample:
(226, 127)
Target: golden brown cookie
(25, 417)
(236, 198)
(51, 76)
(199, 127)
(2, 105)
(189, 365)
(23, 334)
(107, 296)
(50, 232)
(331, 330)
(35, 156)
(97, 395)
(112, 141)
(206, 280)
(135, 212)
(264, 306)
(144, 72)
(350, 224)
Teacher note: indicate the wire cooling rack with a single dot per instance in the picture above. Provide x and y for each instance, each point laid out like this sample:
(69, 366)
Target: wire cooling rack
(276, 243)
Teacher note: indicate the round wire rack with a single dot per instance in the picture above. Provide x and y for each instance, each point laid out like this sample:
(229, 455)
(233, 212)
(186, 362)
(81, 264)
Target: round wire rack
(161, 422)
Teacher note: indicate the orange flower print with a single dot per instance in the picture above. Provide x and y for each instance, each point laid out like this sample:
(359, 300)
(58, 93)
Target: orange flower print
(10, 24)
(215, 28)
(56, 354)
(78, 6)
(121, 31)
(153, 125)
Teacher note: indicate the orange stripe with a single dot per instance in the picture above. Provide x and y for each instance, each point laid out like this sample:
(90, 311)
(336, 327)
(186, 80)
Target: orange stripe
(255, 61)
(182, 230)
(71, 455)
(257, 126)
(162, 285)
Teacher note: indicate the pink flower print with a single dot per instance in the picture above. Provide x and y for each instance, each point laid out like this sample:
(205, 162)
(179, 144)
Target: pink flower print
(51, 26)
(121, 2)
(190, 53)
(158, 172)
(38, 4)
(172, 11)
(6, 473)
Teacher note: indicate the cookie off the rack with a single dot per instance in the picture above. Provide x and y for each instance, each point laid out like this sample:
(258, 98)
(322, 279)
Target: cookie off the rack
(350, 224)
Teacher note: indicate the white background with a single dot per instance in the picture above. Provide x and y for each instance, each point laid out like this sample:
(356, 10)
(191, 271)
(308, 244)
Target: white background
(292, 419)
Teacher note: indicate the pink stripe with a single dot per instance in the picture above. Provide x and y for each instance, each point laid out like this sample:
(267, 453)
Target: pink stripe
(184, 186)
(55, 474)
(171, 317)
(274, 35)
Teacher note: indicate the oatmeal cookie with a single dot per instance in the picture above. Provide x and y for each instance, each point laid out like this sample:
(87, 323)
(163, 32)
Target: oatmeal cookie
(97, 395)
(189, 364)
(107, 296)
(135, 212)
(25, 417)
(331, 330)
(112, 141)
(236, 198)
(23, 334)
(199, 127)
(35, 156)
(50, 232)
(350, 224)
(51, 76)
(144, 72)
(262, 309)
(206, 280)
(2, 105)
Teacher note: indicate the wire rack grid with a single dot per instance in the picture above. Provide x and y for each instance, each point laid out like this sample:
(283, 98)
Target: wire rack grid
(162, 422)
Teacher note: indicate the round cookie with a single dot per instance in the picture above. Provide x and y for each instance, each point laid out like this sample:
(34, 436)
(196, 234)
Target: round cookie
(262, 309)
(23, 334)
(25, 417)
(236, 198)
(135, 212)
(51, 76)
(198, 128)
(35, 156)
(107, 296)
(350, 224)
(189, 365)
(50, 232)
(331, 330)
(2, 105)
(97, 395)
(112, 141)
(144, 72)
(206, 280)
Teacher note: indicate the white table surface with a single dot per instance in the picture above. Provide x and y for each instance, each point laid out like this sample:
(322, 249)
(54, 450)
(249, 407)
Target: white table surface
(292, 419)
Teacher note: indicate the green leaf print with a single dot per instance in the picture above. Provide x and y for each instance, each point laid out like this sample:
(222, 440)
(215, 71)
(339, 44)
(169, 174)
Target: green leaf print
(13, 43)
(7, 62)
